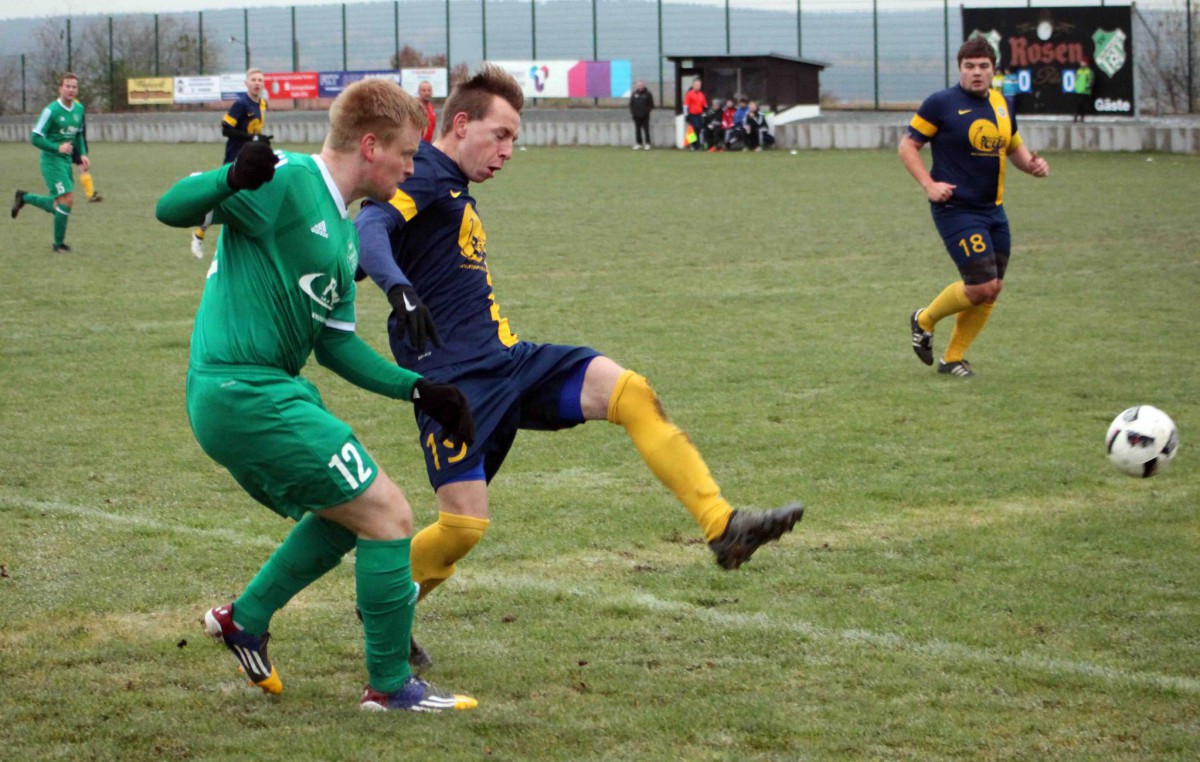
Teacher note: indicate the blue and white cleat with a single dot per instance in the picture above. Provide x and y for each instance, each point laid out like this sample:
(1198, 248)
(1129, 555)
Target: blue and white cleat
(415, 695)
(250, 650)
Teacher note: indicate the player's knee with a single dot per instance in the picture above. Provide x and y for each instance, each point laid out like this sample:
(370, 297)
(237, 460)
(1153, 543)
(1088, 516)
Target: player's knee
(634, 399)
(66, 200)
(438, 547)
(380, 513)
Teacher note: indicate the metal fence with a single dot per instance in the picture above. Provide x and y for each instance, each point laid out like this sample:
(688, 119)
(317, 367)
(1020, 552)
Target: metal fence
(880, 53)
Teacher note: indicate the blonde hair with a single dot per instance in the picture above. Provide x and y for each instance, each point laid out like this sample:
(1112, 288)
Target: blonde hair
(376, 106)
(474, 96)
(253, 71)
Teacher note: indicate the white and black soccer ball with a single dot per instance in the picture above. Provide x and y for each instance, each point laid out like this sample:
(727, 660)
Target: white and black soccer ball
(1142, 441)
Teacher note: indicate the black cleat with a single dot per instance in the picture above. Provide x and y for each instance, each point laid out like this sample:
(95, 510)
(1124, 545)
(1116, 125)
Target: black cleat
(18, 202)
(922, 340)
(95, 198)
(748, 530)
(60, 248)
(419, 659)
(962, 368)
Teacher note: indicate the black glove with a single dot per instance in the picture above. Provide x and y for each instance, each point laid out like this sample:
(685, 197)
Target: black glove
(262, 139)
(253, 167)
(445, 404)
(414, 317)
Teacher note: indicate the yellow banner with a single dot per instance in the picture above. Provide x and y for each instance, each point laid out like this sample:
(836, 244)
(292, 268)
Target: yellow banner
(150, 91)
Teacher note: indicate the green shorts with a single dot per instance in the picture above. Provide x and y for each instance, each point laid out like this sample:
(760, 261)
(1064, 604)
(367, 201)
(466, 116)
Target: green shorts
(275, 436)
(57, 174)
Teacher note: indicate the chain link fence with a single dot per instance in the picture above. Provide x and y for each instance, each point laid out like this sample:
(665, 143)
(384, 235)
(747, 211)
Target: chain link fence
(880, 53)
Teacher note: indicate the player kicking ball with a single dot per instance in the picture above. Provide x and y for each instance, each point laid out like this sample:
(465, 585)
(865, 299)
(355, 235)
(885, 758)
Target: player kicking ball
(281, 288)
(427, 250)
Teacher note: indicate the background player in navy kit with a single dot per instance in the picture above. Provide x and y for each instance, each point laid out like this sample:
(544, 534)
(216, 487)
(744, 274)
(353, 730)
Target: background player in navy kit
(427, 250)
(973, 132)
(242, 124)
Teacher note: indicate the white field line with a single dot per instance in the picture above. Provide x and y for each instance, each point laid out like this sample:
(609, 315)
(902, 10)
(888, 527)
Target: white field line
(935, 649)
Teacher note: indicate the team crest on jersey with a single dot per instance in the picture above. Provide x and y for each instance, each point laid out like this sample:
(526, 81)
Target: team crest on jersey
(472, 241)
(985, 137)
(327, 297)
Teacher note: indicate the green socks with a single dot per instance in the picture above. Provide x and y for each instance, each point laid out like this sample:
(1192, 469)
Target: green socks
(45, 203)
(313, 547)
(387, 599)
(62, 215)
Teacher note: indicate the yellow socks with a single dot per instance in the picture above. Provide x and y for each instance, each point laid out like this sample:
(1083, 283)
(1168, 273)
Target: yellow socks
(668, 452)
(952, 299)
(437, 547)
(967, 326)
(89, 187)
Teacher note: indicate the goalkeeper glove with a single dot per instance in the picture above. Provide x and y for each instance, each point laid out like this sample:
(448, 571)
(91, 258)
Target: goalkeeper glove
(445, 404)
(413, 316)
(253, 167)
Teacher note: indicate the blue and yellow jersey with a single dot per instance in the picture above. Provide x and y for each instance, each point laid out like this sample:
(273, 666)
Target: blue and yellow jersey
(246, 115)
(430, 236)
(971, 137)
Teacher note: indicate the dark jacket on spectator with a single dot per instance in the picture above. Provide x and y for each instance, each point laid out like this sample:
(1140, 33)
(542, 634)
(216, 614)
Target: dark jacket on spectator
(641, 103)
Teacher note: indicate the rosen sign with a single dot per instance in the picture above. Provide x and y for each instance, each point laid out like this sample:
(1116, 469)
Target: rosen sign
(1046, 46)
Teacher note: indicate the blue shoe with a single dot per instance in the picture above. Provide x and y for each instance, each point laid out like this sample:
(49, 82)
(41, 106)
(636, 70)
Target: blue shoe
(250, 650)
(415, 695)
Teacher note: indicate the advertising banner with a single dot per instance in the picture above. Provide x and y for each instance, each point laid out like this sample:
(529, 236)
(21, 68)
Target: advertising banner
(410, 79)
(1045, 47)
(233, 85)
(197, 89)
(571, 79)
(330, 83)
(292, 84)
(150, 91)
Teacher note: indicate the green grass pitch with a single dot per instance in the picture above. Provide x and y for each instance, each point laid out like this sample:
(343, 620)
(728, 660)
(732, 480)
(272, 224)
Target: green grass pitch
(972, 579)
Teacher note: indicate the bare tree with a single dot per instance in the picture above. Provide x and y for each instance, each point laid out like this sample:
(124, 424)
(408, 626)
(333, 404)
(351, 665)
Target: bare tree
(1163, 59)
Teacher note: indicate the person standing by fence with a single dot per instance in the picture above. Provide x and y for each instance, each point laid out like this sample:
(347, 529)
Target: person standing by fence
(641, 103)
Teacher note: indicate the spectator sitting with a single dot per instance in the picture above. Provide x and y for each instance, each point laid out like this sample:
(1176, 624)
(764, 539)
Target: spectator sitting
(758, 132)
(714, 132)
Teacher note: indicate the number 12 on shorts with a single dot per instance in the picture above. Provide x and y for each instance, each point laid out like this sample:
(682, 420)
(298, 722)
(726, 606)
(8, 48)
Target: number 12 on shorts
(978, 245)
(350, 455)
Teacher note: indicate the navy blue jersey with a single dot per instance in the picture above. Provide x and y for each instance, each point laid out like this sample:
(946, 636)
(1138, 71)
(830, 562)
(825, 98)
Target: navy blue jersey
(971, 137)
(246, 115)
(430, 236)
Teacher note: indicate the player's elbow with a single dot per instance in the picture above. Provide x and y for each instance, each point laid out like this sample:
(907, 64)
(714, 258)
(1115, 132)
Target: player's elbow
(168, 213)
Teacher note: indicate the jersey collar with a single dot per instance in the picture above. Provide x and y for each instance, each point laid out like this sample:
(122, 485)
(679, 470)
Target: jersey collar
(65, 106)
(333, 189)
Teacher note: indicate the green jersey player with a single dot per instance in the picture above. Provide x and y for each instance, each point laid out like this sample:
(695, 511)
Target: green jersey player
(57, 134)
(281, 287)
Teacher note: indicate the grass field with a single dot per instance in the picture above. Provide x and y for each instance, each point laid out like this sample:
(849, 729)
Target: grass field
(972, 579)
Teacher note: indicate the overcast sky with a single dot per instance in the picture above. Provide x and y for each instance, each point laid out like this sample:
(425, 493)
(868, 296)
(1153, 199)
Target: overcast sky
(25, 8)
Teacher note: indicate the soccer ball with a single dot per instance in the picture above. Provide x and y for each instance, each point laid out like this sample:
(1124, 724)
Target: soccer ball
(1142, 441)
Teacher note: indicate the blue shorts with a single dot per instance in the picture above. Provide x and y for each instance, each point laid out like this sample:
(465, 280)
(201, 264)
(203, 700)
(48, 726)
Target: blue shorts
(978, 240)
(527, 386)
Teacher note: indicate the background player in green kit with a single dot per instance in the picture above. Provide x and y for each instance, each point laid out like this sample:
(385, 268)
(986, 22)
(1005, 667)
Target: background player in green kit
(281, 287)
(57, 133)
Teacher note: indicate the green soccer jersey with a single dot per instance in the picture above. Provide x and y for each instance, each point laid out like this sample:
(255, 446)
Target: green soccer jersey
(283, 271)
(59, 124)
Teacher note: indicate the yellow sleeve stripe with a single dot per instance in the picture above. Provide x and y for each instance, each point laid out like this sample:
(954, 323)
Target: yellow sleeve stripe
(922, 126)
(404, 204)
(230, 121)
(1015, 142)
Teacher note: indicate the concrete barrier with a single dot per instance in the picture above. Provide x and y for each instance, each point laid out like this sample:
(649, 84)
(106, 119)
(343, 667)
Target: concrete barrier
(579, 128)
